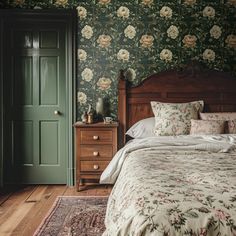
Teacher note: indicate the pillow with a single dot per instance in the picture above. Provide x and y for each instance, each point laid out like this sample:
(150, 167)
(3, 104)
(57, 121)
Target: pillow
(218, 116)
(207, 126)
(142, 129)
(175, 118)
(231, 127)
(230, 117)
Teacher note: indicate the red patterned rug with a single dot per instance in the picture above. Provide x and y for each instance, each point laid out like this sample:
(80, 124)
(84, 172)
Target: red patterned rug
(75, 216)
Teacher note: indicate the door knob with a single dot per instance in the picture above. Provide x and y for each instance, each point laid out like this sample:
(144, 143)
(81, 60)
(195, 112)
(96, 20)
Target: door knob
(57, 112)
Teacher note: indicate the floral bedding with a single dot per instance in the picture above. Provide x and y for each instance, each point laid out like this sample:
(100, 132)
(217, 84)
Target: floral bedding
(174, 192)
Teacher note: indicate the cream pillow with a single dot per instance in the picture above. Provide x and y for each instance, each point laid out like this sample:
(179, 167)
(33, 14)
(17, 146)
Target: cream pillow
(207, 126)
(175, 118)
(230, 117)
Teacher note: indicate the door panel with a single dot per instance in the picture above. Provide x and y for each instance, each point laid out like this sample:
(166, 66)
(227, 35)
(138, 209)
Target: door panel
(23, 81)
(48, 80)
(23, 147)
(36, 83)
(48, 39)
(22, 39)
(49, 143)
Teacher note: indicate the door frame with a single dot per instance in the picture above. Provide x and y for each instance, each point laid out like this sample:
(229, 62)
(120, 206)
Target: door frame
(68, 17)
(1, 102)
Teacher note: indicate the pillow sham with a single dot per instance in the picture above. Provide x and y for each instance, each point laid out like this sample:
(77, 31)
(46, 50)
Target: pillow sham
(230, 117)
(175, 118)
(142, 129)
(231, 127)
(207, 127)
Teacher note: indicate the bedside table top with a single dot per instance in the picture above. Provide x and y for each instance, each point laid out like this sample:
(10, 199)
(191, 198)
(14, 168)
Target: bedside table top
(98, 124)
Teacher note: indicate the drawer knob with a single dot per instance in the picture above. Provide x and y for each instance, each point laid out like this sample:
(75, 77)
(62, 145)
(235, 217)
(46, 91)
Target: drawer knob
(95, 137)
(95, 154)
(95, 167)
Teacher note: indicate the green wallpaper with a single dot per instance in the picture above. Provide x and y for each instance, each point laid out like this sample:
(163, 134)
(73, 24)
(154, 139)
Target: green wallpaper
(144, 36)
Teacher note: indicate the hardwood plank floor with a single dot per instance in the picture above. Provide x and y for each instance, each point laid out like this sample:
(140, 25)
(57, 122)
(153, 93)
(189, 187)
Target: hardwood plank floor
(22, 209)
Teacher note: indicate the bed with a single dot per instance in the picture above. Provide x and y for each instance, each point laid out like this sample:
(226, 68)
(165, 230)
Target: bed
(173, 185)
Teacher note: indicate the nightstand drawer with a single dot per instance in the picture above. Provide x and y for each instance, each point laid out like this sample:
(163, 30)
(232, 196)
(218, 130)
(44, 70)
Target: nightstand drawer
(96, 151)
(95, 136)
(93, 166)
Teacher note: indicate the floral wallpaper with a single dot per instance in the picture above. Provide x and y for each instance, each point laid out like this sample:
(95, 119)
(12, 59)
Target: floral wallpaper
(143, 37)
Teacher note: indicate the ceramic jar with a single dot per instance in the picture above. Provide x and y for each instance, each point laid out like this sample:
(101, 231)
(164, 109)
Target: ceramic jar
(100, 107)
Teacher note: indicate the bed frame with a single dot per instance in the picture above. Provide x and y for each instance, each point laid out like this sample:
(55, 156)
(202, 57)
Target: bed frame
(193, 82)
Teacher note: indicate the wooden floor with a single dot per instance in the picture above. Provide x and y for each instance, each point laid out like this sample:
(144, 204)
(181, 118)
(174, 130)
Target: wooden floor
(23, 209)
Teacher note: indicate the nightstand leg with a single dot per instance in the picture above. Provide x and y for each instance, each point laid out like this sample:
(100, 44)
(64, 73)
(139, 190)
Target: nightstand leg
(80, 185)
(81, 182)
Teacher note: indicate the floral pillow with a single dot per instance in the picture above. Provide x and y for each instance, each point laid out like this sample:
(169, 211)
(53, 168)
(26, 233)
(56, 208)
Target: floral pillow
(175, 118)
(231, 127)
(230, 117)
(207, 126)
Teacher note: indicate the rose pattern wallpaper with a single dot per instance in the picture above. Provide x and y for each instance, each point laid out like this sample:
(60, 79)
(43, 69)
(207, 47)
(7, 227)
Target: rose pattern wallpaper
(143, 37)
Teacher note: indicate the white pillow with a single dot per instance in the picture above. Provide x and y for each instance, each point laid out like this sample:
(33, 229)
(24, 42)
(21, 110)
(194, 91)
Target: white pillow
(142, 129)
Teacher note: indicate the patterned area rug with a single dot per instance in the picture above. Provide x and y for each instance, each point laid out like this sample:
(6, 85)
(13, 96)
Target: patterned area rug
(75, 216)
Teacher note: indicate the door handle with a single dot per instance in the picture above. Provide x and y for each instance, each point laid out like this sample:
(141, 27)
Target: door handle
(57, 112)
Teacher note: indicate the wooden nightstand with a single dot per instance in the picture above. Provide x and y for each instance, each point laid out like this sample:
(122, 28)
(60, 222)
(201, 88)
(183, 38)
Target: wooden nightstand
(96, 144)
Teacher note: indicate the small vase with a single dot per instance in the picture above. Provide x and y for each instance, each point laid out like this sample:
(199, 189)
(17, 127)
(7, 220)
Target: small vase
(100, 107)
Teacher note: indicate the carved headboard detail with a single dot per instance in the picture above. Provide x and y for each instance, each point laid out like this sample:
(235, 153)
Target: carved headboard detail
(194, 82)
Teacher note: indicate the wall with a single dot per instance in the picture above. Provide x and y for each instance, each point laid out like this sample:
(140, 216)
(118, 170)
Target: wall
(144, 36)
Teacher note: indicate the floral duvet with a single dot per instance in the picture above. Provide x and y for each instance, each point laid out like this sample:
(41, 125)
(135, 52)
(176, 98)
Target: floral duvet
(174, 191)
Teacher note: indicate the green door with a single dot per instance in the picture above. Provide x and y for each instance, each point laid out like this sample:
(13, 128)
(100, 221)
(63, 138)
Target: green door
(35, 97)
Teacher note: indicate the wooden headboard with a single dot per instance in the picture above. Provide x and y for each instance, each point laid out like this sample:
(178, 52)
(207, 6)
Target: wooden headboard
(193, 82)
